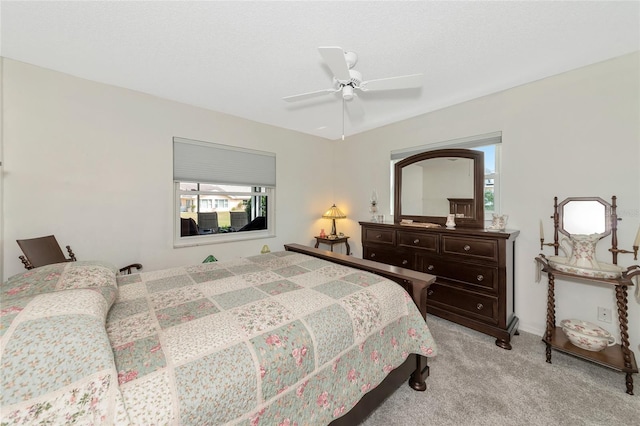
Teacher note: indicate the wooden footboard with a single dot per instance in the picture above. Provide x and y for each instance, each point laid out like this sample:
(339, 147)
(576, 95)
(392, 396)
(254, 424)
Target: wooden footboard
(415, 367)
(414, 282)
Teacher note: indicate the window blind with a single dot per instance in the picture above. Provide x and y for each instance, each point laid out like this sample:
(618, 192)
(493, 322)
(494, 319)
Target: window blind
(468, 142)
(196, 161)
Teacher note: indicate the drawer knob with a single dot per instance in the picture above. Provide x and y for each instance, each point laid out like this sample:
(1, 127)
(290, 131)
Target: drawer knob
(373, 255)
(416, 241)
(467, 247)
(431, 267)
(479, 306)
(430, 292)
(404, 262)
(379, 236)
(480, 278)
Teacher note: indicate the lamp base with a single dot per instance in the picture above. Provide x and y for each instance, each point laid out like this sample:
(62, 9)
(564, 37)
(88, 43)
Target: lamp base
(333, 227)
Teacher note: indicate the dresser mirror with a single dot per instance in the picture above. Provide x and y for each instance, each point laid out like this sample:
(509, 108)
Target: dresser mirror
(433, 184)
(584, 216)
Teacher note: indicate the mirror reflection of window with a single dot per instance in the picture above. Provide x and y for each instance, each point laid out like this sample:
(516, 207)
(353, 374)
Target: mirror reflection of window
(412, 198)
(584, 217)
(427, 185)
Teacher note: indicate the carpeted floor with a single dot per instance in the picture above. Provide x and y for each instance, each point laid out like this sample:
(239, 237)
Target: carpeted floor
(474, 382)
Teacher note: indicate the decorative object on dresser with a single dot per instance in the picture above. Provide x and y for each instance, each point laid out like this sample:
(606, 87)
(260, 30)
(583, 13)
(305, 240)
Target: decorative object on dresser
(333, 213)
(499, 222)
(373, 206)
(585, 221)
(451, 221)
(474, 267)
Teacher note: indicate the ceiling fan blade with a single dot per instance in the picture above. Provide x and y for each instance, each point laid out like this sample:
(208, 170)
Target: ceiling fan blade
(334, 57)
(401, 82)
(309, 95)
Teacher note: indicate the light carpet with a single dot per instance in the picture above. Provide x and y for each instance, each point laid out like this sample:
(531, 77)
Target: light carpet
(474, 382)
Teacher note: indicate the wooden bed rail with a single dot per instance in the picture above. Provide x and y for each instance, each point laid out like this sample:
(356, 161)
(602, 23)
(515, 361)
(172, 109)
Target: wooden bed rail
(414, 282)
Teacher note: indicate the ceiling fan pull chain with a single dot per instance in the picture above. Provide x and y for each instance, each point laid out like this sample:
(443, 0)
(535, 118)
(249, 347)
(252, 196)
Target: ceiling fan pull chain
(343, 118)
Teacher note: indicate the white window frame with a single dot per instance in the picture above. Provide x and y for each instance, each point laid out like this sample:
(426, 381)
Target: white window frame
(206, 239)
(268, 190)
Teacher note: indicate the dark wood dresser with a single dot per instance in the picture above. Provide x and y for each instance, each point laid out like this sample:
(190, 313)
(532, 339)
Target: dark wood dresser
(474, 269)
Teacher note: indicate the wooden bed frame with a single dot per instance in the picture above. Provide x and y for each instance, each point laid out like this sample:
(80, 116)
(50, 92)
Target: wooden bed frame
(415, 367)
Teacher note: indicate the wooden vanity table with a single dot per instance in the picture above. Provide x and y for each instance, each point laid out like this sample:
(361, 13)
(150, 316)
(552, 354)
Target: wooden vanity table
(618, 356)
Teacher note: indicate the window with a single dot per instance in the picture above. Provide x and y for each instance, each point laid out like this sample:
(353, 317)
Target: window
(222, 193)
(489, 143)
(222, 203)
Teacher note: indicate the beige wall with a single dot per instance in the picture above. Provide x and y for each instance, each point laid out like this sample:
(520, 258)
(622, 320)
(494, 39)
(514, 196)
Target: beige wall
(93, 164)
(575, 134)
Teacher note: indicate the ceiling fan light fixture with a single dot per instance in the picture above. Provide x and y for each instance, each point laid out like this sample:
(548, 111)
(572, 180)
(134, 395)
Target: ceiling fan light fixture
(347, 92)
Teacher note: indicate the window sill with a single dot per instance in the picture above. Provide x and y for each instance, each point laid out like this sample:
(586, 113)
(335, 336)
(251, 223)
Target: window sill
(204, 240)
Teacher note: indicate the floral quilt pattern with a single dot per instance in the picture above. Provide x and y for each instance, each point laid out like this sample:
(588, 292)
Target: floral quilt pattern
(275, 339)
(56, 360)
(279, 338)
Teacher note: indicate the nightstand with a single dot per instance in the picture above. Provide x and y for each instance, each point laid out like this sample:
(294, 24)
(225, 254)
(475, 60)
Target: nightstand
(331, 242)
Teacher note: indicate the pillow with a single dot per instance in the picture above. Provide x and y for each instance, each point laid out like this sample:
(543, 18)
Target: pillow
(56, 361)
(19, 290)
(60, 276)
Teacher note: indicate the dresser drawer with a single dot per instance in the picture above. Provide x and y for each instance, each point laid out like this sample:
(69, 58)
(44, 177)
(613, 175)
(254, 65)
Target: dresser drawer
(427, 242)
(463, 302)
(480, 276)
(379, 236)
(390, 257)
(470, 247)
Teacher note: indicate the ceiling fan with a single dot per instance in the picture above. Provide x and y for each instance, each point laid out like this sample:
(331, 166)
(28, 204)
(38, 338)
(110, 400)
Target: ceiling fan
(349, 81)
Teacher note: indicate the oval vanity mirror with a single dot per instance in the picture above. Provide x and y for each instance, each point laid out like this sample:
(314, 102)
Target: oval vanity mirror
(585, 216)
(433, 184)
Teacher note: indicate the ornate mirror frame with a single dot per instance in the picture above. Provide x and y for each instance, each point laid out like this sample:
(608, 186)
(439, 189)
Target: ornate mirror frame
(587, 201)
(477, 209)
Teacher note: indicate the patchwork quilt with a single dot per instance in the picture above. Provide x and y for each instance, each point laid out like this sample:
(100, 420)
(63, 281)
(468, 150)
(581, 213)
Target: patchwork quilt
(274, 339)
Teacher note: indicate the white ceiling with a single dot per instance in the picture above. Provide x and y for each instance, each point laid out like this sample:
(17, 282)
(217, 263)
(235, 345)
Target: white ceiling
(241, 58)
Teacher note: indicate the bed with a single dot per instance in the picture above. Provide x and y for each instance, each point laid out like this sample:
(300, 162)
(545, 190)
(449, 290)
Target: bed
(300, 336)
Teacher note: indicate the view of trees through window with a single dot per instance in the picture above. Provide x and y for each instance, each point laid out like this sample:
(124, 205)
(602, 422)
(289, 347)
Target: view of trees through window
(489, 176)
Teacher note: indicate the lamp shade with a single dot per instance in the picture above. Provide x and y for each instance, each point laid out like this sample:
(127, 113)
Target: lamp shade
(334, 213)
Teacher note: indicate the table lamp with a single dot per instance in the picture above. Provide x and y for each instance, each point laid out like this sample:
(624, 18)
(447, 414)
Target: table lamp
(334, 213)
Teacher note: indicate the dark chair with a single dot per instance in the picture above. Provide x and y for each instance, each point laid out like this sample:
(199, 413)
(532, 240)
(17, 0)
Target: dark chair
(188, 226)
(43, 251)
(208, 223)
(256, 224)
(239, 219)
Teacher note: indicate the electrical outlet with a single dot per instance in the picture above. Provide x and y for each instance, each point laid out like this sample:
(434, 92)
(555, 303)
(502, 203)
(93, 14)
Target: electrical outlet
(604, 314)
